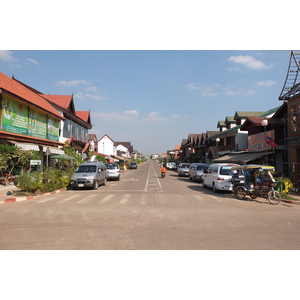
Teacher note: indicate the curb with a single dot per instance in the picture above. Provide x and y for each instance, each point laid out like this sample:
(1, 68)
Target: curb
(17, 199)
(290, 201)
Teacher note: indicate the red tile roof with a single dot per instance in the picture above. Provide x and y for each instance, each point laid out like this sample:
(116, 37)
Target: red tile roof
(83, 115)
(63, 101)
(12, 86)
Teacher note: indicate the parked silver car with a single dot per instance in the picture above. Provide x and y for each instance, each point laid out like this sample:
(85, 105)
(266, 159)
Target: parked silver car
(90, 175)
(183, 169)
(113, 171)
(196, 171)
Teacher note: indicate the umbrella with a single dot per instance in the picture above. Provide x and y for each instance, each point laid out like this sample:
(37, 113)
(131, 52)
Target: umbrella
(63, 156)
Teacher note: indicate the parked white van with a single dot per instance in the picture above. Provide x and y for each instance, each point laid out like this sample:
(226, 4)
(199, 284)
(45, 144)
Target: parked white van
(90, 174)
(218, 177)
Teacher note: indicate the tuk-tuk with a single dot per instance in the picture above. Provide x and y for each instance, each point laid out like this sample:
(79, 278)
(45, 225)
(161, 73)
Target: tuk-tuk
(256, 181)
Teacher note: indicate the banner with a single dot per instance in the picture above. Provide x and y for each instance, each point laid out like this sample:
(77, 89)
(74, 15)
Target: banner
(14, 116)
(20, 118)
(261, 141)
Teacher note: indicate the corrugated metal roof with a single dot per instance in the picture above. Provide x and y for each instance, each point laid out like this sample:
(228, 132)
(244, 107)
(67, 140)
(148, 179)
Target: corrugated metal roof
(240, 158)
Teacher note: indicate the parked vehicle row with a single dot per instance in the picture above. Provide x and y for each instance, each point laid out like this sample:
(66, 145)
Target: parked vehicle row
(94, 174)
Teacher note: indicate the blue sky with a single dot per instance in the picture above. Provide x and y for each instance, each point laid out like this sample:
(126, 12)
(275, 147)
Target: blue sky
(154, 99)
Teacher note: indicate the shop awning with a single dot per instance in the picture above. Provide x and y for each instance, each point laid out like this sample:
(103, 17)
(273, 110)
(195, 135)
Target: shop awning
(26, 146)
(240, 158)
(53, 150)
(35, 147)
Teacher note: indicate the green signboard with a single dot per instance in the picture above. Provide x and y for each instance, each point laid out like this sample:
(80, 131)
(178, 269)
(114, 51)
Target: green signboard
(14, 116)
(37, 123)
(23, 119)
(53, 129)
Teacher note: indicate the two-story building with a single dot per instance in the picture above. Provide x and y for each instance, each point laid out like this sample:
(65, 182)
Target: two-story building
(27, 119)
(74, 128)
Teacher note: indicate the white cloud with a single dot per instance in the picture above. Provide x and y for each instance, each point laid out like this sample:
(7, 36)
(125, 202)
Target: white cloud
(250, 93)
(83, 96)
(192, 86)
(132, 116)
(155, 117)
(71, 83)
(249, 62)
(32, 61)
(230, 92)
(92, 89)
(125, 117)
(131, 113)
(6, 55)
(266, 83)
(209, 91)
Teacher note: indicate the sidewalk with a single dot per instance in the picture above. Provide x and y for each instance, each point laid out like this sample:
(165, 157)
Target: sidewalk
(4, 198)
(5, 189)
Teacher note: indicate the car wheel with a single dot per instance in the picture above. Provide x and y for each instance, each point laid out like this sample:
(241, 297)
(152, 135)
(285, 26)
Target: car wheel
(95, 186)
(214, 188)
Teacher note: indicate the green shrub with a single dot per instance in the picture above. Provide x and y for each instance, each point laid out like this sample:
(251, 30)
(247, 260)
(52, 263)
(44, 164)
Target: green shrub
(50, 180)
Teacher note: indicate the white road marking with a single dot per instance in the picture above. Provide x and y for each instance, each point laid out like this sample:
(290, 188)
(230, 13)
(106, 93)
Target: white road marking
(87, 198)
(125, 199)
(153, 181)
(107, 198)
(68, 199)
(46, 199)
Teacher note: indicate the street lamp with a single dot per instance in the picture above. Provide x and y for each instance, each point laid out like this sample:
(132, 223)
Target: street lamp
(217, 141)
(264, 123)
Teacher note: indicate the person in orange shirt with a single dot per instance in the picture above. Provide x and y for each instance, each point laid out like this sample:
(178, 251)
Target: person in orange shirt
(163, 171)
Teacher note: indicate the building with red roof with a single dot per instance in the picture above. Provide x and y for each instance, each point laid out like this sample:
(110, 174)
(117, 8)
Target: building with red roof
(26, 118)
(35, 121)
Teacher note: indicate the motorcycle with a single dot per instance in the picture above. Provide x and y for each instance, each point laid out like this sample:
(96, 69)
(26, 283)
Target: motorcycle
(257, 181)
(163, 174)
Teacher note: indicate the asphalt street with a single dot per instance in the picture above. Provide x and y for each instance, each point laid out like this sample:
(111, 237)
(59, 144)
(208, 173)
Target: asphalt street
(144, 211)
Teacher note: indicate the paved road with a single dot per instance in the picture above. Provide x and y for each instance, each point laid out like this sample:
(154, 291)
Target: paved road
(143, 211)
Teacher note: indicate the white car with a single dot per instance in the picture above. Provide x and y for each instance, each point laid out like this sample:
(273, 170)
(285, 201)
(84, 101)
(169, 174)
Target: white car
(218, 177)
(113, 171)
(171, 166)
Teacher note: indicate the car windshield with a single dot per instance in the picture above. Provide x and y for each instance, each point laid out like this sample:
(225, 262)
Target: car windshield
(226, 171)
(185, 166)
(86, 169)
(201, 168)
(111, 167)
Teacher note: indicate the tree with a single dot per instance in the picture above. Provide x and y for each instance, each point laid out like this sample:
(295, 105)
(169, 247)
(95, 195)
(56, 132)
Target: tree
(12, 156)
(101, 158)
(71, 151)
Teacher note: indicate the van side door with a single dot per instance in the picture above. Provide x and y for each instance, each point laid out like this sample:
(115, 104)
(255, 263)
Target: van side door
(208, 177)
